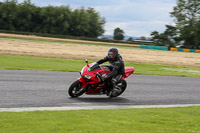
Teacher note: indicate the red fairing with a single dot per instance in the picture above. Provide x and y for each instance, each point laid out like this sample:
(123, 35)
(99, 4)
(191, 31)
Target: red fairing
(128, 72)
(92, 74)
(83, 81)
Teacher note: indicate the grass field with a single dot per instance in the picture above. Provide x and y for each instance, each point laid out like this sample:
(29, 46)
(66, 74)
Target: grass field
(54, 64)
(56, 48)
(153, 120)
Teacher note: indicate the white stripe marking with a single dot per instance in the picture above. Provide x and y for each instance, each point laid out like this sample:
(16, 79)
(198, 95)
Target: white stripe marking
(90, 107)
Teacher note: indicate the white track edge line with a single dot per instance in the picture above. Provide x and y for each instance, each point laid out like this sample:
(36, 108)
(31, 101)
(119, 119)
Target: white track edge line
(22, 109)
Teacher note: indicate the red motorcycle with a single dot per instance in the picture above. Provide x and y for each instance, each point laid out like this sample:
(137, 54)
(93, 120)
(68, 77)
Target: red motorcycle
(92, 83)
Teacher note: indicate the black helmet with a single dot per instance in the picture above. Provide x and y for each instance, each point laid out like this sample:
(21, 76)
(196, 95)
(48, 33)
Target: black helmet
(112, 53)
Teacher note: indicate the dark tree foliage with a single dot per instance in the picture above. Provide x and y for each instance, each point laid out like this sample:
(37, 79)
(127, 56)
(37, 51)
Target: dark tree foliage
(61, 20)
(168, 37)
(187, 28)
(118, 34)
(187, 18)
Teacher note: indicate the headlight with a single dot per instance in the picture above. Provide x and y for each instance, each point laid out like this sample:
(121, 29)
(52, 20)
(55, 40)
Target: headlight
(88, 77)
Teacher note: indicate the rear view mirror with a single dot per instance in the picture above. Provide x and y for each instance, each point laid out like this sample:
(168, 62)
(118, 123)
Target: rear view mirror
(86, 61)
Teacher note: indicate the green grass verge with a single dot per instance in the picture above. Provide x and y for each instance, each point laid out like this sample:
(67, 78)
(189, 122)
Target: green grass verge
(54, 64)
(153, 120)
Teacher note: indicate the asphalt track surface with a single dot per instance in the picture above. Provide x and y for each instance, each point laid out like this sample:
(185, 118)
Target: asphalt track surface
(25, 88)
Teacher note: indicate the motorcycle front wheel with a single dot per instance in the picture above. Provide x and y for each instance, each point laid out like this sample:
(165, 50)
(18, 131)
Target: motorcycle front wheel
(75, 89)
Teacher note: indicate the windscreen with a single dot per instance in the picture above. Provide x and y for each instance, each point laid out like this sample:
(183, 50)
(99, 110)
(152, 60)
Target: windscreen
(95, 67)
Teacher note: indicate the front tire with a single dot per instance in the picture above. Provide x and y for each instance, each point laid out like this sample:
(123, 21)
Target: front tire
(122, 87)
(75, 89)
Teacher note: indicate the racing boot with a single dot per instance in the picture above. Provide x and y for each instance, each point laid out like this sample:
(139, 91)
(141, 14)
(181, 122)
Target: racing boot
(113, 88)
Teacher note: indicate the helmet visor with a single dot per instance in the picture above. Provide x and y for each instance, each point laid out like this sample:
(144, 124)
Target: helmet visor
(111, 54)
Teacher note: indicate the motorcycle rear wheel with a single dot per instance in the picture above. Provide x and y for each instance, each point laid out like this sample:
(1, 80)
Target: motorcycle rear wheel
(122, 85)
(75, 89)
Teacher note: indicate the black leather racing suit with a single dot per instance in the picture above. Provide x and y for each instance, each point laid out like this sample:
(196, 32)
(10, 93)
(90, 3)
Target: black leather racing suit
(116, 66)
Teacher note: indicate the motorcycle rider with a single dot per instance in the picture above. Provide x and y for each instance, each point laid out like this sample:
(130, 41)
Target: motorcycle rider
(116, 66)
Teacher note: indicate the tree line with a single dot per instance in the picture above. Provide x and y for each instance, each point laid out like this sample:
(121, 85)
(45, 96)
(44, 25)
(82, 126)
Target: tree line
(61, 20)
(187, 29)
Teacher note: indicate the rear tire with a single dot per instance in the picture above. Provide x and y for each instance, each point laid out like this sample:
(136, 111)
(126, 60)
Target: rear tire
(122, 85)
(75, 89)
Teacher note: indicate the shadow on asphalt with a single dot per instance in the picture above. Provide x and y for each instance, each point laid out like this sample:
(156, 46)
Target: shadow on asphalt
(104, 100)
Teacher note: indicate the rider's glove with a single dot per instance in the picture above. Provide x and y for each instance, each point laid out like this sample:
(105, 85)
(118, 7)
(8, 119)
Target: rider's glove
(89, 69)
